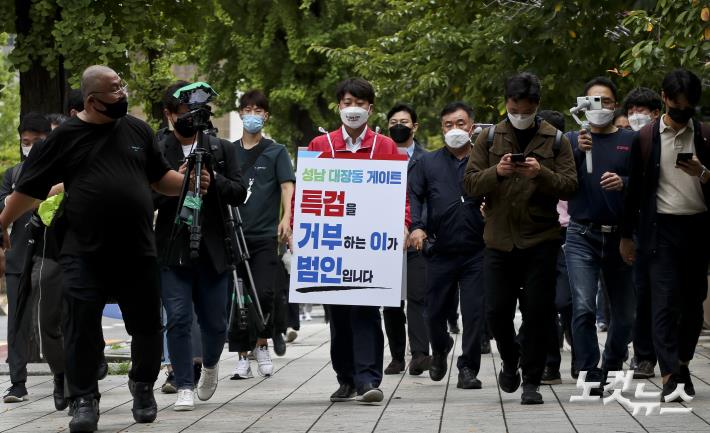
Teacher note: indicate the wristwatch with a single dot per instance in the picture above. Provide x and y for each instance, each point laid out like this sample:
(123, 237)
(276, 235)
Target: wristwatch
(703, 174)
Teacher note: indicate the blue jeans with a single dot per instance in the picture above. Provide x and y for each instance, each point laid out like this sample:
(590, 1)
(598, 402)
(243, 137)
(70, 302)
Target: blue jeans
(181, 286)
(590, 255)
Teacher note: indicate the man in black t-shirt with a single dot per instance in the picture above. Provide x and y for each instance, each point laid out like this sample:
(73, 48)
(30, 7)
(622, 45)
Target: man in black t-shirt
(108, 162)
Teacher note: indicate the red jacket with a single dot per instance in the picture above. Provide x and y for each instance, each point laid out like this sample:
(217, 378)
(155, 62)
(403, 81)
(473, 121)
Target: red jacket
(383, 145)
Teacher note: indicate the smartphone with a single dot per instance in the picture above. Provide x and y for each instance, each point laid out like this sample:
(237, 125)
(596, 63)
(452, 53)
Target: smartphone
(684, 157)
(517, 158)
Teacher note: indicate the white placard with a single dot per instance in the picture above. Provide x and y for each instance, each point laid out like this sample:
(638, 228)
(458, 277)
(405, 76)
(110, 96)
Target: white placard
(348, 229)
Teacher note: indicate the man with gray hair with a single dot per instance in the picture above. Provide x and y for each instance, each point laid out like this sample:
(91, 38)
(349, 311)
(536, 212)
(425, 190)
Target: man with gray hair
(108, 162)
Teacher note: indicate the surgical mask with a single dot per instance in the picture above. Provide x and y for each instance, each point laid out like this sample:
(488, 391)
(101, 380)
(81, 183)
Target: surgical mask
(354, 117)
(639, 120)
(26, 150)
(600, 118)
(456, 138)
(521, 121)
(681, 116)
(400, 133)
(185, 127)
(114, 110)
(253, 123)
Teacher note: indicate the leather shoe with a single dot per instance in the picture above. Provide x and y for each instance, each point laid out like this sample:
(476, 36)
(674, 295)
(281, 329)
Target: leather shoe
(420, 363)
(509, 377)
(643, 370)
(551, 376)
(86, 415)
(530, 394)
(345, 392)
(395, 367)
(438, 367)
(468, 379)
(145, 409)
(60, 401)
(370, 394)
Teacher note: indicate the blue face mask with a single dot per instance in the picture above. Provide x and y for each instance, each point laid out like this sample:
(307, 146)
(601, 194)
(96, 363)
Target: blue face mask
(253, 123)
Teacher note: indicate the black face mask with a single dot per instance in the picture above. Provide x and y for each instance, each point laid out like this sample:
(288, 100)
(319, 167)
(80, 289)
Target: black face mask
(400, 133)
(184, 127)
(681, 115)
(114, 110)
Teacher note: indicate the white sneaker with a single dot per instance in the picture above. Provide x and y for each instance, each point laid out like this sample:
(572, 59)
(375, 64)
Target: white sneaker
(291, 335)
(263, 359)
(242, 370)
(308, 317)
(208, 382)
(185, 400)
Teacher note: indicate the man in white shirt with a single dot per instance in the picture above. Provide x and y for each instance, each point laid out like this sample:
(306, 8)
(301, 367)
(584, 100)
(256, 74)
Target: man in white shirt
(665, 212)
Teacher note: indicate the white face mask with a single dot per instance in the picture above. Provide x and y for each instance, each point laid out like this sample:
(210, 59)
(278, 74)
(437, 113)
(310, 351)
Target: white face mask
(354, 117)
(26, 150)
(639, 120)
(456, 138)
(521, 121)
(600, 118)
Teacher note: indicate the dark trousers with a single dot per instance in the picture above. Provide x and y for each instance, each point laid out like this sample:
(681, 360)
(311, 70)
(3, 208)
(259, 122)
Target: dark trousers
(182, 287)
(88, 281)
(562, 318)
(446, 275)
(17, 333)
(678, 273)
(395, 318)
(281, 300)
(47, 285)
(643, 324)
(264, 264)
(533, 270)
(356, 344)
(294, 317)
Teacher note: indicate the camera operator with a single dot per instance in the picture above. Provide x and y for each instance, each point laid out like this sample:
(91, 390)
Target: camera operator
(452, 240)
(592, 235)
(522, 174)
(642, 106)
(203, 281)
(269, 174)
(33, 128)
(666, 209)
(108, 161)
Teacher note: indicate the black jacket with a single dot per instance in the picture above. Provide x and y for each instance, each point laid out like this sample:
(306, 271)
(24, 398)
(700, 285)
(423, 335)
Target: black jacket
(20, 233)
(639, 216)
(227, 183)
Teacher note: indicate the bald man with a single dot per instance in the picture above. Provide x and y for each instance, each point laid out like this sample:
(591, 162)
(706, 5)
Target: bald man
(108, 162)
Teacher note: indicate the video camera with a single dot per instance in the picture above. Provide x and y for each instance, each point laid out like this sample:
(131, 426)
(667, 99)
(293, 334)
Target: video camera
(196, 96)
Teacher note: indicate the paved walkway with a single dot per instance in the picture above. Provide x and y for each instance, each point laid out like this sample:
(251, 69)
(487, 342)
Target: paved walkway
(295, 399)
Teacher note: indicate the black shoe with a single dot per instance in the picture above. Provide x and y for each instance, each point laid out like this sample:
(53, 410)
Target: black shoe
(16, 393)
(196, 373)
(530, 394)
(669, 387)
(145, 409)
(643, 370)
(370, 394)
(169, 387)
(346, 392)
(685, 378)
(420, 363)
(486, 347)
(60, 402)
(395, 367)
(467, 379)
(438, 367)
(596, 375)
(102, 372)
(86, 415)
(551, 376)
(509, 377)
(454, 327)
(279, 344)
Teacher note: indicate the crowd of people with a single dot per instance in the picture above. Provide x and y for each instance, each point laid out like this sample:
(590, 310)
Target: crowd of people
(603, 224)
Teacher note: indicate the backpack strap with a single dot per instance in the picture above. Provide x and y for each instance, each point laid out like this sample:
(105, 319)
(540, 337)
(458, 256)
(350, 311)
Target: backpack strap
(558, 143)
(646, 142)
(491, 134)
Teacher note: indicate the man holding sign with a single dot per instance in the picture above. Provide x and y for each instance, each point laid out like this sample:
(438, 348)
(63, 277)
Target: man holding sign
(357, 342)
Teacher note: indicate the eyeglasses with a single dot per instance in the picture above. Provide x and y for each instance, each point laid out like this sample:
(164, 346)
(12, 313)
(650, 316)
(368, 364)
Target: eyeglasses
(120, 89)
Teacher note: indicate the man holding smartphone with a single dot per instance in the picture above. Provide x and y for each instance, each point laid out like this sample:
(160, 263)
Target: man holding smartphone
(593, 233)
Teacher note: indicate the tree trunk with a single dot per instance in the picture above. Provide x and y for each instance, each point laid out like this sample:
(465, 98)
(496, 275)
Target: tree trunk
(40, 90)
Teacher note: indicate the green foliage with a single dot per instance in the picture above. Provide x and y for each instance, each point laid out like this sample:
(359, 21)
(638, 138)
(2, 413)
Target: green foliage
(9, 112)
(676, 33)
